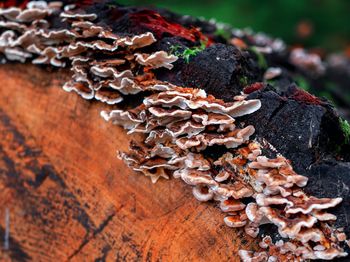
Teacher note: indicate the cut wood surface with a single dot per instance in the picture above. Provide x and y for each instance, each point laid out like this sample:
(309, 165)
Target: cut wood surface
(65, 196)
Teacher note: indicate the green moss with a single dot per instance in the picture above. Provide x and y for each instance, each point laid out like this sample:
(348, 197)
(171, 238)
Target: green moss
(302, 83)
(271, 82)
(243, 80)
(175, 50)
(187, 53)
(345, 126)
(331, 86)
(223, 32)
(261, 59)
(327, 95)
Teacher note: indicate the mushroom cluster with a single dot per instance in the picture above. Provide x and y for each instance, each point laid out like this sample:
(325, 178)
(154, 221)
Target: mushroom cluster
(180, 127)
(102, 62)
(302, 220)
(180, 124)
(251, 189)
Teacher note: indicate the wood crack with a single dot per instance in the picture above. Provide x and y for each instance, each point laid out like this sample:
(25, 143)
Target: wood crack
(97, 231)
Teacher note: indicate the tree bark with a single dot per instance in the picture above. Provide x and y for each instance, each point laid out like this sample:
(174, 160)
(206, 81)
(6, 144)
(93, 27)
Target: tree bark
(64, 194)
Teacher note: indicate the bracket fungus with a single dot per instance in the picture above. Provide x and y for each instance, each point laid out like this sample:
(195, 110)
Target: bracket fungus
(179, 125)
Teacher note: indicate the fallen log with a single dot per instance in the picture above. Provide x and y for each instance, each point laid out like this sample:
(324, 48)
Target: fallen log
(207, 113)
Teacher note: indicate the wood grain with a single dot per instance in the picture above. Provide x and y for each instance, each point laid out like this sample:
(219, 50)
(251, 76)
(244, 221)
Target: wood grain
(69, 198)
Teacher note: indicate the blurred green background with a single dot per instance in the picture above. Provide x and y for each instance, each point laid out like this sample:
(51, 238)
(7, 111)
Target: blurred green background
(311, 23)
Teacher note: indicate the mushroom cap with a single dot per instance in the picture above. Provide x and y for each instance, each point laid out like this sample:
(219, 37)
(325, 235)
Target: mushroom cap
(156, 60)
(202, 193)
(231, 205)
(234, 221)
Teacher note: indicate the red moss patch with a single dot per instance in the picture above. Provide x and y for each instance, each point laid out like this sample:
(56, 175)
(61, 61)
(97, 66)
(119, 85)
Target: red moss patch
(305, 97)
(158, 25)
(253, 87)
(12, 3)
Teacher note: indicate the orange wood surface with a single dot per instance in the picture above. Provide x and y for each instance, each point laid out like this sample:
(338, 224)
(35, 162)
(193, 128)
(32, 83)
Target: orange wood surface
(69, 198)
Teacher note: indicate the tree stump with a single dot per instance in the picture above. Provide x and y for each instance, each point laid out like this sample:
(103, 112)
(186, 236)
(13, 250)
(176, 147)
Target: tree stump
(65, 196)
